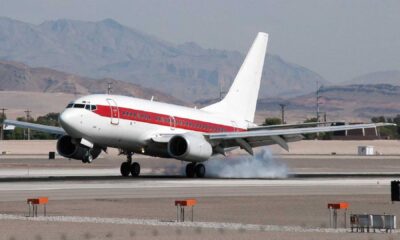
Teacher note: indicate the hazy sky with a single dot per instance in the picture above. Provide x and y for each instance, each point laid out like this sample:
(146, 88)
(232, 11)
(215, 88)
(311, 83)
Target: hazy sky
(339, 39)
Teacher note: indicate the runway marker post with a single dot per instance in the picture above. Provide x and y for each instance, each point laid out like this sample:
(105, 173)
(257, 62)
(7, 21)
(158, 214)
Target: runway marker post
(33, 205)
(180, 208)
(333, 207)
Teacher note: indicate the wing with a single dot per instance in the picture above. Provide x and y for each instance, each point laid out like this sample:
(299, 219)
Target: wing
(255, 138)
(34, 126)
(286, 126)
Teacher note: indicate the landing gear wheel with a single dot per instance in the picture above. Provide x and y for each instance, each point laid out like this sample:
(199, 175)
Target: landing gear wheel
(135, 169)
(125, 169)
(88, 158)
(200, 170)
(190, 170)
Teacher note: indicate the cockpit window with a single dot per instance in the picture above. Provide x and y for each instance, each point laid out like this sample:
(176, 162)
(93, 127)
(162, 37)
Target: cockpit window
(79, 105)
(85, 106)
(90, 107)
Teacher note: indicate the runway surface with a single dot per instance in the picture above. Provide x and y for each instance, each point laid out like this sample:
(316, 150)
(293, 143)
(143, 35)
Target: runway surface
(95, 199)
(183, 188)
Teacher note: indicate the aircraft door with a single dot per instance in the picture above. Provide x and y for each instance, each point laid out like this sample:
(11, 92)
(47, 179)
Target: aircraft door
(172, 122)
(234, 125)
(114, 111)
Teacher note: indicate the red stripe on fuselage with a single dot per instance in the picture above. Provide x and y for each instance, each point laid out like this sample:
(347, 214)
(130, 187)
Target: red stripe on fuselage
(165, 120)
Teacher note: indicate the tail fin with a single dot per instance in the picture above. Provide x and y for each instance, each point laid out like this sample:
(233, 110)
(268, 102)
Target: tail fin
(240, 102)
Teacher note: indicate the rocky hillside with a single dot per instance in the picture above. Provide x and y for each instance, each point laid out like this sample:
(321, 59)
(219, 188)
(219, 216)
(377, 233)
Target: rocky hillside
(108, 49)
(383, 77)
(350, 102)
(20, 77)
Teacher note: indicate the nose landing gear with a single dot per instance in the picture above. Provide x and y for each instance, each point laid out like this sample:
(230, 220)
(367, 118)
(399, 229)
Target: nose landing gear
(88, 158)
(129, 168)
(195, 170)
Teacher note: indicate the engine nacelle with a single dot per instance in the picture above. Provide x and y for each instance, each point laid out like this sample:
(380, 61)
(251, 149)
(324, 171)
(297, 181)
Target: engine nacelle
(68, 148)
(189, 147)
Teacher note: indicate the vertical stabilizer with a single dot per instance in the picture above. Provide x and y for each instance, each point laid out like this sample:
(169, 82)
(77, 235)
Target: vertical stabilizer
(241, 99)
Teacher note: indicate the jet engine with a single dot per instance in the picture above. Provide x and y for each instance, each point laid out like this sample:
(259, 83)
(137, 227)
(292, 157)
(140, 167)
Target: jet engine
(69, 148)
(190, 147)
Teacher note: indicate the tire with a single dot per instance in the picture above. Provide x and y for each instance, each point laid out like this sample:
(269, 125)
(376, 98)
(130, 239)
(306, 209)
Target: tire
(88, 158)
(135, 169)
(125, 169)
(200, 170)
(190, 170)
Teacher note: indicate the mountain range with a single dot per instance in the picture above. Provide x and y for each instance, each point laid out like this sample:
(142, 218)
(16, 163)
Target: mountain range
(20, 77)
(79, 58)
(107, 49)
(391, 77)
(23, 87)
(358, 102)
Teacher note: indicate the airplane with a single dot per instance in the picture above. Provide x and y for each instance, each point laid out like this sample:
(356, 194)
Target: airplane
(93, 123)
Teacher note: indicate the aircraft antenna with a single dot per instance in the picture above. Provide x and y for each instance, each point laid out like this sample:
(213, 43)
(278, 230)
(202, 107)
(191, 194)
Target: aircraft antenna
(109, 88)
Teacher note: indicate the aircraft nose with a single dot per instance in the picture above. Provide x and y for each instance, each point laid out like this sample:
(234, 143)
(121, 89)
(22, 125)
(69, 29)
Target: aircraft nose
(64, 118)
(66, 121)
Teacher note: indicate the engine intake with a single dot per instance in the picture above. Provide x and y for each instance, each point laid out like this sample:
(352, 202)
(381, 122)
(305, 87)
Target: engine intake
(190, 147)
(66, 147)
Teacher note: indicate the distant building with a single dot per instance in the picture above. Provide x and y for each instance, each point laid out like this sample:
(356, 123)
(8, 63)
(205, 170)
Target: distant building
(356, 134)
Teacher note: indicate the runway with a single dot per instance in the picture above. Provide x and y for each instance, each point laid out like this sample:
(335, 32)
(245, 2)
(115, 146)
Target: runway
(75, 177)
(72, 180)
(185, 188)
(95, 198)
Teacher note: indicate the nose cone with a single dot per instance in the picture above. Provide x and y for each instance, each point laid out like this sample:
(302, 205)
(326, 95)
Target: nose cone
(69, 122)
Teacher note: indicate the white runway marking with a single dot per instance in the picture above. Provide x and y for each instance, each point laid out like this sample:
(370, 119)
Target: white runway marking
(154, 222)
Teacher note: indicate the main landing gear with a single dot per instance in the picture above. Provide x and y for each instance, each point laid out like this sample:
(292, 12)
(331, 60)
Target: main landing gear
(195, 170)
(130, 168)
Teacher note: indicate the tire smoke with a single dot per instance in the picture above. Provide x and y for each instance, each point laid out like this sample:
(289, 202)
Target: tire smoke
(260, 165)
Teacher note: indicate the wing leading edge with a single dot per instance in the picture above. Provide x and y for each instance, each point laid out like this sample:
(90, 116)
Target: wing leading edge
(34, 126)
(262, 137)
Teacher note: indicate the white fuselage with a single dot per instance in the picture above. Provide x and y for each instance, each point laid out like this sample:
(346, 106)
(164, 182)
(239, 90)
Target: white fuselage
(129, 123)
